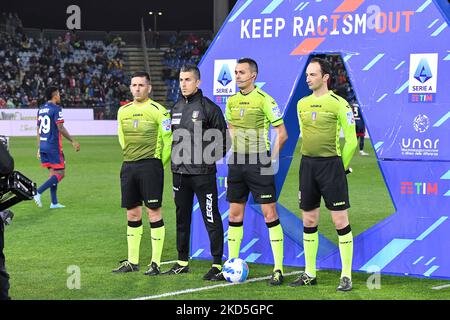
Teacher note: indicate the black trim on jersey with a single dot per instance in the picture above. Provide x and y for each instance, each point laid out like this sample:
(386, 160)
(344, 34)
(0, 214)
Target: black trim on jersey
(128, 104)
(277, 120)
(246, 94)
(154, 105)
(261, 94)
(334, 96)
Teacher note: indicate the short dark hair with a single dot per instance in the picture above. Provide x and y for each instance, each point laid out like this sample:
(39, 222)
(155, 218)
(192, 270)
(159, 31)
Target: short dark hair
(325, 66)
(191, 68)
(141, 74)
(49, 92)
(251, 62)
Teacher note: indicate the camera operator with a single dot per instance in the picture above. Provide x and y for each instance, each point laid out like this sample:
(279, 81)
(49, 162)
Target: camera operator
(6, 168)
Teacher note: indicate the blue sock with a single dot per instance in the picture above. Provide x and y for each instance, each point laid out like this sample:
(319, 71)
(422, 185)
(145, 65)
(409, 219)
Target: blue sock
(53, 190)
(47, 184)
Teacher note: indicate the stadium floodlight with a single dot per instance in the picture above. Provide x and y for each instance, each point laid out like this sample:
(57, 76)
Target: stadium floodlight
(155, 14)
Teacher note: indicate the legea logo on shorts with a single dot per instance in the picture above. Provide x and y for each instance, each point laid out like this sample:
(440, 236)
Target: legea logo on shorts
(423, 77)
(224, 81)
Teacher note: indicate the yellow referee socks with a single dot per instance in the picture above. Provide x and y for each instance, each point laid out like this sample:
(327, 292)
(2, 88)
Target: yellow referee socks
(277, 243)
(157, 233)
(346, 250)
(310, 245)
(235, 235)
(134, 235)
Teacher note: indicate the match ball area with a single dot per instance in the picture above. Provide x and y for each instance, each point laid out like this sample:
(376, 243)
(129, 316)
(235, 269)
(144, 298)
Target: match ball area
(235, 270)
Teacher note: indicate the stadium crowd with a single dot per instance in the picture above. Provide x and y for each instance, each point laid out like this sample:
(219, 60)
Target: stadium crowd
(181, 51)
(88, 73)
(340, 80)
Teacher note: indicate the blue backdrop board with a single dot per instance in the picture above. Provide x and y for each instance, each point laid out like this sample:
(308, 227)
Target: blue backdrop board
(397, 55)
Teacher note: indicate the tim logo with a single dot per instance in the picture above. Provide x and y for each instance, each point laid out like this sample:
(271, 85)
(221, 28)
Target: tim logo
(423, 77)
(224, 82)
(221, 99)
(222, 182)
(418, 188)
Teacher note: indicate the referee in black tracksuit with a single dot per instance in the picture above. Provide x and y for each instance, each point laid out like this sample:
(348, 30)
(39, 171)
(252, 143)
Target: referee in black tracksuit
(195, 172)
(6, 168)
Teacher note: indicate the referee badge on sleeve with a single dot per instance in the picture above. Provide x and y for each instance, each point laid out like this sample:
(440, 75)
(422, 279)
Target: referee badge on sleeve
(276, 112)
(166, 124)
(350, 118)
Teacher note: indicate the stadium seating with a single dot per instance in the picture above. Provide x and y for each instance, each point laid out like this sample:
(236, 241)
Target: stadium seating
(89, 73)
(88, 65)
(188, 47)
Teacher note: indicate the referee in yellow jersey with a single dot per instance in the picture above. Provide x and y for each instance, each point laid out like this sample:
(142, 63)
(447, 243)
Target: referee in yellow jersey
(323, 169)
(145, 136)
(250, 113)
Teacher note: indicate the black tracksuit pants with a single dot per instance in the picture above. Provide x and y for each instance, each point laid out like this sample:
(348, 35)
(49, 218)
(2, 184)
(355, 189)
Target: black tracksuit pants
(4, 277)
(205, 188)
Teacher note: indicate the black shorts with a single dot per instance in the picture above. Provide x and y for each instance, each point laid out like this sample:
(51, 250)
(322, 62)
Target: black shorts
(243, 178)
(323, 177)
(360, 129)
(142, 180)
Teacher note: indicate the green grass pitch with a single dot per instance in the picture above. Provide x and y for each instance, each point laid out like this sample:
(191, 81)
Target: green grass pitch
(44, 247)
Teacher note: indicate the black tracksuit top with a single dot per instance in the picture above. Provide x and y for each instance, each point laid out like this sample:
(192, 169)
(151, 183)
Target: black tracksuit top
(187, 113)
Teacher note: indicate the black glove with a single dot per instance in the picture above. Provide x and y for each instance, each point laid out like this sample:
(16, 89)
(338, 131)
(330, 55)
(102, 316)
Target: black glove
(6, 216)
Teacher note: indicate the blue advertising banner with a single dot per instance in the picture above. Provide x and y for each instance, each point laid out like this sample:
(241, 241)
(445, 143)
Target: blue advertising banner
(397, 56)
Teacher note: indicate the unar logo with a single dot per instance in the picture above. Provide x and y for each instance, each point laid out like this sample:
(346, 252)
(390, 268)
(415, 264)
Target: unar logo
(416, 146)
(420, 144)
(421, 123)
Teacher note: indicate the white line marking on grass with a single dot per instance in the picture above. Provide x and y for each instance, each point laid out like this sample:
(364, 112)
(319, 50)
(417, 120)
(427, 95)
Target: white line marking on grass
(175, 293)
(441, 287)
(168, 262)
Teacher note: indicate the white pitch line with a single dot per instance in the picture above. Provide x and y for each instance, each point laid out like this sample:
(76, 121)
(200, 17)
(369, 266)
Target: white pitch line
(441, 287)
(175, 293)
(168, 262)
